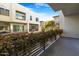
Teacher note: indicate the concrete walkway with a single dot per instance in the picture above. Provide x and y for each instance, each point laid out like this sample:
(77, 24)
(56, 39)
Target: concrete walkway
(63, 47)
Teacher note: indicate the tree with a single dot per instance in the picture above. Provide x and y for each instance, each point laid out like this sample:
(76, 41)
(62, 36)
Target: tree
(49, 25)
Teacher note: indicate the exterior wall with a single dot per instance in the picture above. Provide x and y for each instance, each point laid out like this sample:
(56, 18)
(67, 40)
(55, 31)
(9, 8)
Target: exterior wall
(70, 25)
(33, 21)
(18, 8)
(56, 19)
(12, 17)
(3, 17)
(61, 19)
(25, 27)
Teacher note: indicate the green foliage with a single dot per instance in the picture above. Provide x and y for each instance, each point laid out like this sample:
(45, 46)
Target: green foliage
(58, 31)
(17, 42)
(49, 24)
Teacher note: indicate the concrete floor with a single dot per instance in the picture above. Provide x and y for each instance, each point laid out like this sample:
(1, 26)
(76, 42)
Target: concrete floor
(63, 47)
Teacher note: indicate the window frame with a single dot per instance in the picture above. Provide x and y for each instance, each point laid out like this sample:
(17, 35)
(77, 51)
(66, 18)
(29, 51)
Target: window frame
(30, 18)
(37, 19)
(33, 27)
(5, 12)
(21, 14)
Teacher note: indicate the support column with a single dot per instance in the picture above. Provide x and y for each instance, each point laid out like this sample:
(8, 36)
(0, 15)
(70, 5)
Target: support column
(11, 27)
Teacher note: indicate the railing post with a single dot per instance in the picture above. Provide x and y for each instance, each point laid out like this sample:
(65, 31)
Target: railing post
(44, 45)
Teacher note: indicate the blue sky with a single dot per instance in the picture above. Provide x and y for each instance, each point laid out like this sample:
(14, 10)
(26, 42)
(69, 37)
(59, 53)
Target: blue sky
(44, 10)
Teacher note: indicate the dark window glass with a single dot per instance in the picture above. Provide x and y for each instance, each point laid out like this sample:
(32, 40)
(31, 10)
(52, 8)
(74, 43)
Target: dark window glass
(37, 19)
(16, 28)
(7, 12)
(33, 27)
(1, 27)
(4, 11)
(20, 15)
(30, 17)
(22, 28)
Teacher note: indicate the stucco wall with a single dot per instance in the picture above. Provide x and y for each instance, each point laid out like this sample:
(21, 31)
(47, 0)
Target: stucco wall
(12, 17)
(3, 17)
(70, 25)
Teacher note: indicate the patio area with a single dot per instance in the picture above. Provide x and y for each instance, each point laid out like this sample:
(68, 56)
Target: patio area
(63, 47)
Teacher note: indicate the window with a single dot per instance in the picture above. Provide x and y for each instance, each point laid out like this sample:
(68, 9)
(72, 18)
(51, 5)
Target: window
(16, 28)
(33, 27)
(30, 17)
(20, 15)
(1, 27)
(4, 11)
(37, 19)
(22, 28)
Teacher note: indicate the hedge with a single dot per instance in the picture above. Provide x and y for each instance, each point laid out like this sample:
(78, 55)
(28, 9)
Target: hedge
(25, 42)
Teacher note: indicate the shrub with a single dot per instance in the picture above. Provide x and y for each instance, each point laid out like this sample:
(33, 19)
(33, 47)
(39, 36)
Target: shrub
(58, 31)
(26, 41)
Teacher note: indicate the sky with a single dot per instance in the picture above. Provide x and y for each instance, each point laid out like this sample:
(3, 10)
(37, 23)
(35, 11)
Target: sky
(44, 11)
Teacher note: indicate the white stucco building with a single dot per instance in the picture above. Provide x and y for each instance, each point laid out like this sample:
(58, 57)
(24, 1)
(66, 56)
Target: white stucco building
(17, 18)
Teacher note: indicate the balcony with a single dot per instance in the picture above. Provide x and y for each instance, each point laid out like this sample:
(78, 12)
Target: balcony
(63, 47)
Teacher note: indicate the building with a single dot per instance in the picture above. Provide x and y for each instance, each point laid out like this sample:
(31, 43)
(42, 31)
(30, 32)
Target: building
(17, 18)
(57, 22)
(68, 18)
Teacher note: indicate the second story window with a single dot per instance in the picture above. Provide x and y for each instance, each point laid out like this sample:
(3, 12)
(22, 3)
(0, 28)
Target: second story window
(20, 15)
(37, 19)
(4, 11)
(30, 17)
